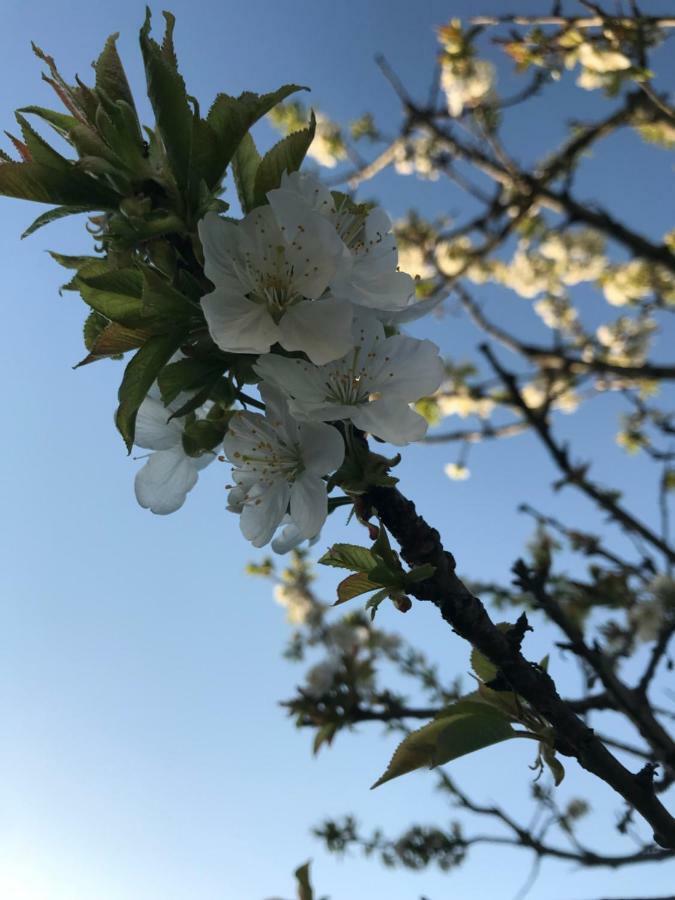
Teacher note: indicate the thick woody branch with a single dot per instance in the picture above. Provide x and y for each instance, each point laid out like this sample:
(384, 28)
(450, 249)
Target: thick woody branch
(421, 544)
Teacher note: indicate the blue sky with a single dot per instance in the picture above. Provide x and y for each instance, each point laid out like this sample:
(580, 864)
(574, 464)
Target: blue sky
(143, 755)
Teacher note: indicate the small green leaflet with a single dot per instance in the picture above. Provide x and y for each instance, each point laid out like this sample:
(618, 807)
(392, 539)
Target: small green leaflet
(462, 728)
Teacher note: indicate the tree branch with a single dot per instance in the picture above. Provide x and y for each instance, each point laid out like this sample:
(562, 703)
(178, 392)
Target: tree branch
(420, 544)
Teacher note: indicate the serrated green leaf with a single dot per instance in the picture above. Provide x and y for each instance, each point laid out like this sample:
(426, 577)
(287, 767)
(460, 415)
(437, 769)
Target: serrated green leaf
(162, 300)
(232, 117)
(168, 96)
(61, 122)
(468, 728)
(44, 184)
(245, 164)
(114, 340)
(111, 78)
(353, 586)
(75, 262)
(285, 156)
(349, 556)
(115, 295)
(59, 212)
(126, 281)
(40, 151)
(95, 324)
(138, 378)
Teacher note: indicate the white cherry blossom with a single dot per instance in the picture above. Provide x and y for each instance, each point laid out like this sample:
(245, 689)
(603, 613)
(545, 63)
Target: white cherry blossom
(270, 274)
(467, 86)
(371, 386)
(277, 468)
(367, 273)
(169, 474)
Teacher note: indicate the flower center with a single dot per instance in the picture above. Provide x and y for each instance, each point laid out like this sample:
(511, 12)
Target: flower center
(348, 387)
(268, 279)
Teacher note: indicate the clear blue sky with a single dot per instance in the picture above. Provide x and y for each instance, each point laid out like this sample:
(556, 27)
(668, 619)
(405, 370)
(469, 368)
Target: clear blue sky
(142, 752)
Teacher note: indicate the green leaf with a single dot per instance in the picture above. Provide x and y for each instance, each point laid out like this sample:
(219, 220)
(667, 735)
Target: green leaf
(110, 75)
(39, 149)
(115, 295)
(373, 602)
(61, 122)
(353, 586)
(305, 891)
(44, 184)
(59, 212)
(245, 164)
(461, 729)
(556, 767)
(95, 324)
(114, 340)
(232, 117)
(349, 556)
(482, 666)
(285, 156)
(419, 573)
(197, 400)
(168, 96)
(139, 376)
(188, 375)
(161, 299)
(203, 435)
(126, 281)
(75, 262)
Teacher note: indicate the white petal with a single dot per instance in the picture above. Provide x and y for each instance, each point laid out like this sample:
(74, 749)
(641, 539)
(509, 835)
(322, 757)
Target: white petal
(263, 513)
(410, 313)
(296, 378)
(278, 413)
(321, 328)
(162, 484)
(313, 246)
(390, 420)
(238, 325)
(408, 368)
(312, 190)
(153, 430)
(289, 538)
(322, 448)
(220, 240)
(309, 504)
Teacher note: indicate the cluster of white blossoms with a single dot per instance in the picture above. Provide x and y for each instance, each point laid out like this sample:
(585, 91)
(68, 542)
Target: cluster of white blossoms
(628, 283)
(417, 155)
(626, 341)
(657, 611)
(309, 284)
(468, 85)
(601, 64)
